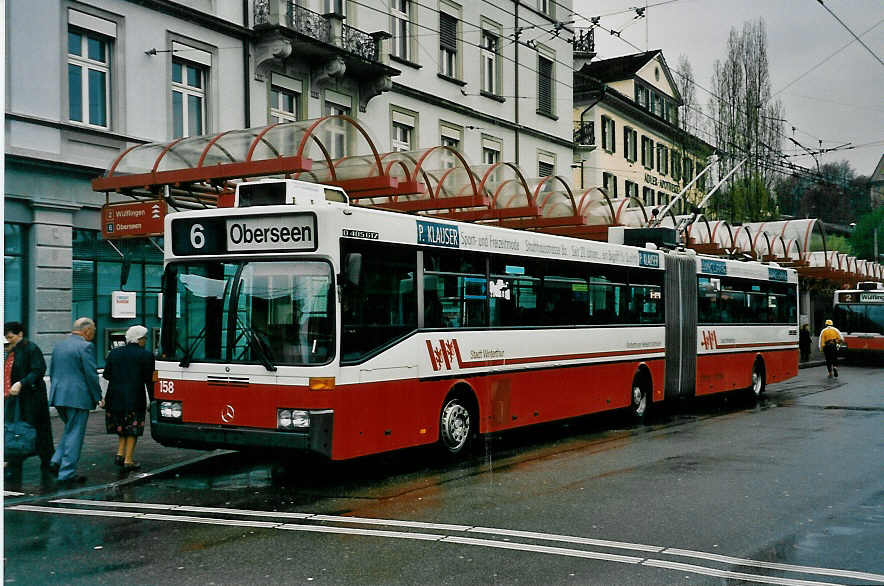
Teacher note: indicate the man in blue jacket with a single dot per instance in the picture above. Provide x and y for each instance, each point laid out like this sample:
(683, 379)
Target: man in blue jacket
(74, 391)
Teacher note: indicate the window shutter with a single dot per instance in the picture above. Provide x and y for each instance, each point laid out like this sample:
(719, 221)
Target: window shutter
(544, 85)
(448, 31)
(544, 169)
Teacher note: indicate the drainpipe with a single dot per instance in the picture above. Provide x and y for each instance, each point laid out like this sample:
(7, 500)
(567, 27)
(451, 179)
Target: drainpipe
(247, 94)
(516, 80)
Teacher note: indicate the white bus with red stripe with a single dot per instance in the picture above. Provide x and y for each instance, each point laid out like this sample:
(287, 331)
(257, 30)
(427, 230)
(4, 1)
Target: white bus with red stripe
(859, 315)
(295, 320)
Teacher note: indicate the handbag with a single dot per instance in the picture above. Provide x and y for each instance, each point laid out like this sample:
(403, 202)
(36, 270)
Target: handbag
(19, 437)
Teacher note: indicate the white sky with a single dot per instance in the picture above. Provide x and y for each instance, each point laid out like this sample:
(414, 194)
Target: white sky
(840, 101)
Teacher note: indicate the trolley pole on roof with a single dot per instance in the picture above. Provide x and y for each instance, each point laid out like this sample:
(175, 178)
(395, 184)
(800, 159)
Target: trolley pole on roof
(659, 217)
(699, 206)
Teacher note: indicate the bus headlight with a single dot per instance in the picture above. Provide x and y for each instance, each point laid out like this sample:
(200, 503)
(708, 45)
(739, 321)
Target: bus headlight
(292, 419)
(170, 409)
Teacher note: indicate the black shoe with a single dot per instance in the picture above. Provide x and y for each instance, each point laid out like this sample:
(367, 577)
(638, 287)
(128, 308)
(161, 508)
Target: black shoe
(72, 481)
(131, 466)
(118, 460)
(836, 373)
(51, 467)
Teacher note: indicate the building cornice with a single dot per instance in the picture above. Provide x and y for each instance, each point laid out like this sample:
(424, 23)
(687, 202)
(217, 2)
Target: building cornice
(58, 125)
(467, 111)
(197, 16)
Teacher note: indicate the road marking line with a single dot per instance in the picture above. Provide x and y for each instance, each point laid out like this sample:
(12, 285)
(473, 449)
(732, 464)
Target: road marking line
(209, 520)
(393, 523)
(154, 506)
(544, 549)
(365, 532)
(567, 539)
(11, 493)
(454, 539)
(735, 575)
(88, 512)
(282, 514)
(774, 565)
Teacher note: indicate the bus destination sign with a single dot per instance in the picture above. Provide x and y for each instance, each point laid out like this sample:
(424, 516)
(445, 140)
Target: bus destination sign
(219, 235)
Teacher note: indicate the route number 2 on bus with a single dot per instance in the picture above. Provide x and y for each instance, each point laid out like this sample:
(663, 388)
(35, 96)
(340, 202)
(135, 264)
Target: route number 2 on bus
(167, 386)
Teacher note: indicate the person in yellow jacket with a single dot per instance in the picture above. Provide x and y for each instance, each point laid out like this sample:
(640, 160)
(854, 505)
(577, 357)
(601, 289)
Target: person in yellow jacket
(830, 337)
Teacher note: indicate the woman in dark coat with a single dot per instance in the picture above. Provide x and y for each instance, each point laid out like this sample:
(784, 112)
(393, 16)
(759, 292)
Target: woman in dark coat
(23, 376)
(804, 342)
(129, 371)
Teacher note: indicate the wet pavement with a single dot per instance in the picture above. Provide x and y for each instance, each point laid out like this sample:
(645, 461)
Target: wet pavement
(718, 491)
(97, 463)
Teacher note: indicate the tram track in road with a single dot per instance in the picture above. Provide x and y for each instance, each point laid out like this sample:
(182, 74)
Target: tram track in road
(619, 552)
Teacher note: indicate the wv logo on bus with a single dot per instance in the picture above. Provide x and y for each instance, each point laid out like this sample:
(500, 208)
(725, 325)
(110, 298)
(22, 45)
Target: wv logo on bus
(444, 354)
(710, 340)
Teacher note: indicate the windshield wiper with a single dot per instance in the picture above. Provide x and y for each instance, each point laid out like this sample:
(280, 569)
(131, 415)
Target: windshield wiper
(188, 354)
(264, 353)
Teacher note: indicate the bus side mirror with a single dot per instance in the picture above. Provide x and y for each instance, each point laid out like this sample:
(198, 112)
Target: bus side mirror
(353, 268)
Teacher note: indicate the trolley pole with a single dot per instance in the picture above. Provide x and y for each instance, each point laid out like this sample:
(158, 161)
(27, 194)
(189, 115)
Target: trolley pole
(654, 222)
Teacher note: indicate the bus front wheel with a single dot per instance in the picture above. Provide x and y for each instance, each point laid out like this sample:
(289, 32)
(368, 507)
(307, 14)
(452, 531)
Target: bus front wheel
(455, 425)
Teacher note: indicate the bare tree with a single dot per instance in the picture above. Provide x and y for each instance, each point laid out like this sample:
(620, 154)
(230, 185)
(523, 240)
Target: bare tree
(684, 81)
(746, 123)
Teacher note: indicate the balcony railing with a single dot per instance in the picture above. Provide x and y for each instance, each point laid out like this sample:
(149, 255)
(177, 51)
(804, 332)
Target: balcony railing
(308, 23)
(359, 43)
(584, 133)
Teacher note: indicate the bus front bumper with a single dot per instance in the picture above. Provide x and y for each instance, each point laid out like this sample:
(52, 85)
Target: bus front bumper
(317, 439)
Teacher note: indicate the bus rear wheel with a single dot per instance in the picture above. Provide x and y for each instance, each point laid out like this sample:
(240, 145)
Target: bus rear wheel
(638, 408)
(758, 382)
(455, 426)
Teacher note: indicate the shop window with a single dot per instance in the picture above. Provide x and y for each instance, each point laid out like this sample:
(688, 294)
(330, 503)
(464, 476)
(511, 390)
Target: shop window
(15, 300)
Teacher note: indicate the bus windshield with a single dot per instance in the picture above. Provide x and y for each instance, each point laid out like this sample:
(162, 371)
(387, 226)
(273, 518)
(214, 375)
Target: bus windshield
(860, 317)
(271, 312)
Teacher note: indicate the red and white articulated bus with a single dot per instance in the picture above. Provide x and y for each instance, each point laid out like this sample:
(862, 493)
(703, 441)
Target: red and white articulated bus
(859, 315)
(294, 320)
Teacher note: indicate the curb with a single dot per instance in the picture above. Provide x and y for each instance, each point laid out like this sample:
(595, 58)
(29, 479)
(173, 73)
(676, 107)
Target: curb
(811, 363)
(128, 481)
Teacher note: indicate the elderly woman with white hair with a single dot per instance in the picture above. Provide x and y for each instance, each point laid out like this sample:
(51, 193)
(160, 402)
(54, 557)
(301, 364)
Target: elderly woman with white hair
(129, 371)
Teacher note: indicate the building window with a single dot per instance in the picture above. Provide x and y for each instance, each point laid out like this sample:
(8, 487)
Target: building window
(97, 268)
(546, 164)
(188, 99)
(545, 85)
(662, 199)
(448, 65)
(15, 265)
(490, 62)
(658, 105)
(662, 159)
(648, 197)
(401, 141)
(647, 153)
(335, 7)
(336, 130)
(400, 25)
(687, 169)
(630, 146)
(609, 184)
(676, 166)
(89, 56)
(631, 189)
(548, 7)
(608, 136)
(490, 152)
(451, 136)
(641, 96)
(284, 104)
